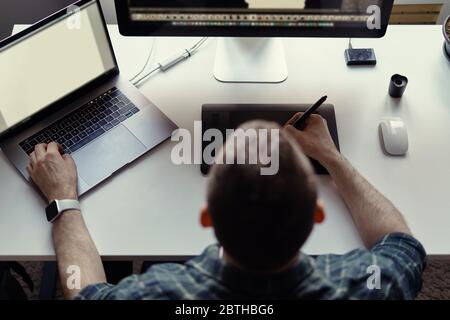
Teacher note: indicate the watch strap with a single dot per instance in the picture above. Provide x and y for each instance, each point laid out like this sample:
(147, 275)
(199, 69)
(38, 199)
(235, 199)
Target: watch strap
(65, 205)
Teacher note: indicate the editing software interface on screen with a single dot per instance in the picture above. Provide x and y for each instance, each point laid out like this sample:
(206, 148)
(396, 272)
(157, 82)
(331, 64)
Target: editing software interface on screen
(240, 57)
(253, 13)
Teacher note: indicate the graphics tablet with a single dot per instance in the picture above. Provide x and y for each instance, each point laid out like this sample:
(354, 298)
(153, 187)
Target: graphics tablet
(231, 116)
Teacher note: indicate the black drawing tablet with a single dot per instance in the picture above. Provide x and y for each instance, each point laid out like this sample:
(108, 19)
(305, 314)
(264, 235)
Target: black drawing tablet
(223, 117)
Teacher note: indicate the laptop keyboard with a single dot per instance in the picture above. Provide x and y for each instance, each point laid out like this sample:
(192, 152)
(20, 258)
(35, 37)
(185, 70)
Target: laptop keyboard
(86, 123)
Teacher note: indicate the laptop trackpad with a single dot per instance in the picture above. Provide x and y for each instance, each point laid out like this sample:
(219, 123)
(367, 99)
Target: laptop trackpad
(104, 156)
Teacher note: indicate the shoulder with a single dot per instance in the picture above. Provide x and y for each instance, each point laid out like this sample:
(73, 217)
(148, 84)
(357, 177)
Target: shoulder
(392, 269)
(161, 281)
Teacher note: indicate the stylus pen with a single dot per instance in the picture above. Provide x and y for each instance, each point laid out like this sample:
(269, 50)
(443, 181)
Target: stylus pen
(300, 124)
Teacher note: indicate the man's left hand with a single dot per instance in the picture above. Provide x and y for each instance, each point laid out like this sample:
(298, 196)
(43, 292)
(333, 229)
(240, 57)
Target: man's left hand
(54, 173)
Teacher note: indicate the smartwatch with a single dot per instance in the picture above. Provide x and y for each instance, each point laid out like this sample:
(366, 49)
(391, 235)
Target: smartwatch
(58, 207)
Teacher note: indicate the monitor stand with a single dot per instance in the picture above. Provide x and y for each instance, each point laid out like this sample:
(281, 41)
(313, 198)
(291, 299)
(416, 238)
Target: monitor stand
(251, 60)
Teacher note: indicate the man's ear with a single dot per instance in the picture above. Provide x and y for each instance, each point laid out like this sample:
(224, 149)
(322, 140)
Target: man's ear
(319, 215)
(205, 217)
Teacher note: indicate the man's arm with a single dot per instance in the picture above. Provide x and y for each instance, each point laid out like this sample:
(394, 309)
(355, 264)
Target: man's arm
(74, 247)
(56, 177)
(374, 215)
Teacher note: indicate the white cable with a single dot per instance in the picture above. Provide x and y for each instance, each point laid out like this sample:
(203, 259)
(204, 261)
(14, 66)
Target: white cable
(172, 61)
(198, 44)
(149, 57)
(138, 82)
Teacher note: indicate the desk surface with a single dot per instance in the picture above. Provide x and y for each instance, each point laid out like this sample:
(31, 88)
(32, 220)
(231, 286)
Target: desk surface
(165, 225)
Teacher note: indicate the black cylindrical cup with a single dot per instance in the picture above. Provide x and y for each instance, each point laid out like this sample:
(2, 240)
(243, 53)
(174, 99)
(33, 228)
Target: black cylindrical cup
(398, 86)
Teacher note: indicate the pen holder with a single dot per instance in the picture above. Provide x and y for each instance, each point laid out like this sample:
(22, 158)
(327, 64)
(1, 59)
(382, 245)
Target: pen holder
(398, 86)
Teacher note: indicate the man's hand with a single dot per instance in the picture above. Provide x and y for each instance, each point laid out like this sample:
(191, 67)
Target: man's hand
(315, 140)
(54, 174)
(374, 215)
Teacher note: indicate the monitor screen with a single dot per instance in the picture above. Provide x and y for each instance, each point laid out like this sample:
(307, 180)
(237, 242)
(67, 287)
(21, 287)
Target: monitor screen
(327, 18)
(43, 66)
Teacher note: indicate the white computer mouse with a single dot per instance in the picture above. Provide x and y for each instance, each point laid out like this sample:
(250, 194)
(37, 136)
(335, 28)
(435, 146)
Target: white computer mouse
(394, 136)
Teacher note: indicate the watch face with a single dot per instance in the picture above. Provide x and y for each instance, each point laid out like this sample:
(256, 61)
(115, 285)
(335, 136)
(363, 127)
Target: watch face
(52, 211)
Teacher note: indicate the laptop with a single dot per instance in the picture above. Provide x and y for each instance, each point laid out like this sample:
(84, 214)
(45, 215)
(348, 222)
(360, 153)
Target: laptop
(59, 81)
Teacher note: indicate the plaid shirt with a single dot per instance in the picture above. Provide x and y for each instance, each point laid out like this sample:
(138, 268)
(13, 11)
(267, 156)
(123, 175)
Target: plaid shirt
(399, 258)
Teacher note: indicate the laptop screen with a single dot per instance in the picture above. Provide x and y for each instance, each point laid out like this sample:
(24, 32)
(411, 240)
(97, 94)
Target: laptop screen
(52, 62)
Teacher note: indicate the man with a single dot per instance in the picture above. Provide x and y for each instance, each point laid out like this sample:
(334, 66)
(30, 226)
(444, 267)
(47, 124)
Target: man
(261, 223)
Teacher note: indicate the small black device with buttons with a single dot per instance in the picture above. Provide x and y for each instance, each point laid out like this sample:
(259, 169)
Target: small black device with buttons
(360, 57)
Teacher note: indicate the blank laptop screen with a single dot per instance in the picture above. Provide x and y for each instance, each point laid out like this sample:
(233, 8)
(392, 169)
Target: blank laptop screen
(52, 62)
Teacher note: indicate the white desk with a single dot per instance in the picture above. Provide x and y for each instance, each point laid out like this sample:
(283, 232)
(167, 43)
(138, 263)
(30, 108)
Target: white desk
(151, 208)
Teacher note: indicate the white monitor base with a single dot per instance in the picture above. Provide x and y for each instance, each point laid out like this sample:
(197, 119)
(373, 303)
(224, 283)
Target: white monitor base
(252, 60)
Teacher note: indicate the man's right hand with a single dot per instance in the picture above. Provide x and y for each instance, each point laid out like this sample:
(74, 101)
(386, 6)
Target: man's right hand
(315, 140)
(374, 215)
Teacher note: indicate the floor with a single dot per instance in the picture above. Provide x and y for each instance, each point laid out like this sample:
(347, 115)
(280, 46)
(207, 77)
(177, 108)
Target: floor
(436, 279)
(12, 12)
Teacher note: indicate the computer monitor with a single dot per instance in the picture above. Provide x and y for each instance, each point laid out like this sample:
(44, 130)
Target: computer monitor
(255, 54)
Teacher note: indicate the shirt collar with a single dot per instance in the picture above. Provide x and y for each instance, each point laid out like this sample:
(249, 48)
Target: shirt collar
(211, 264)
